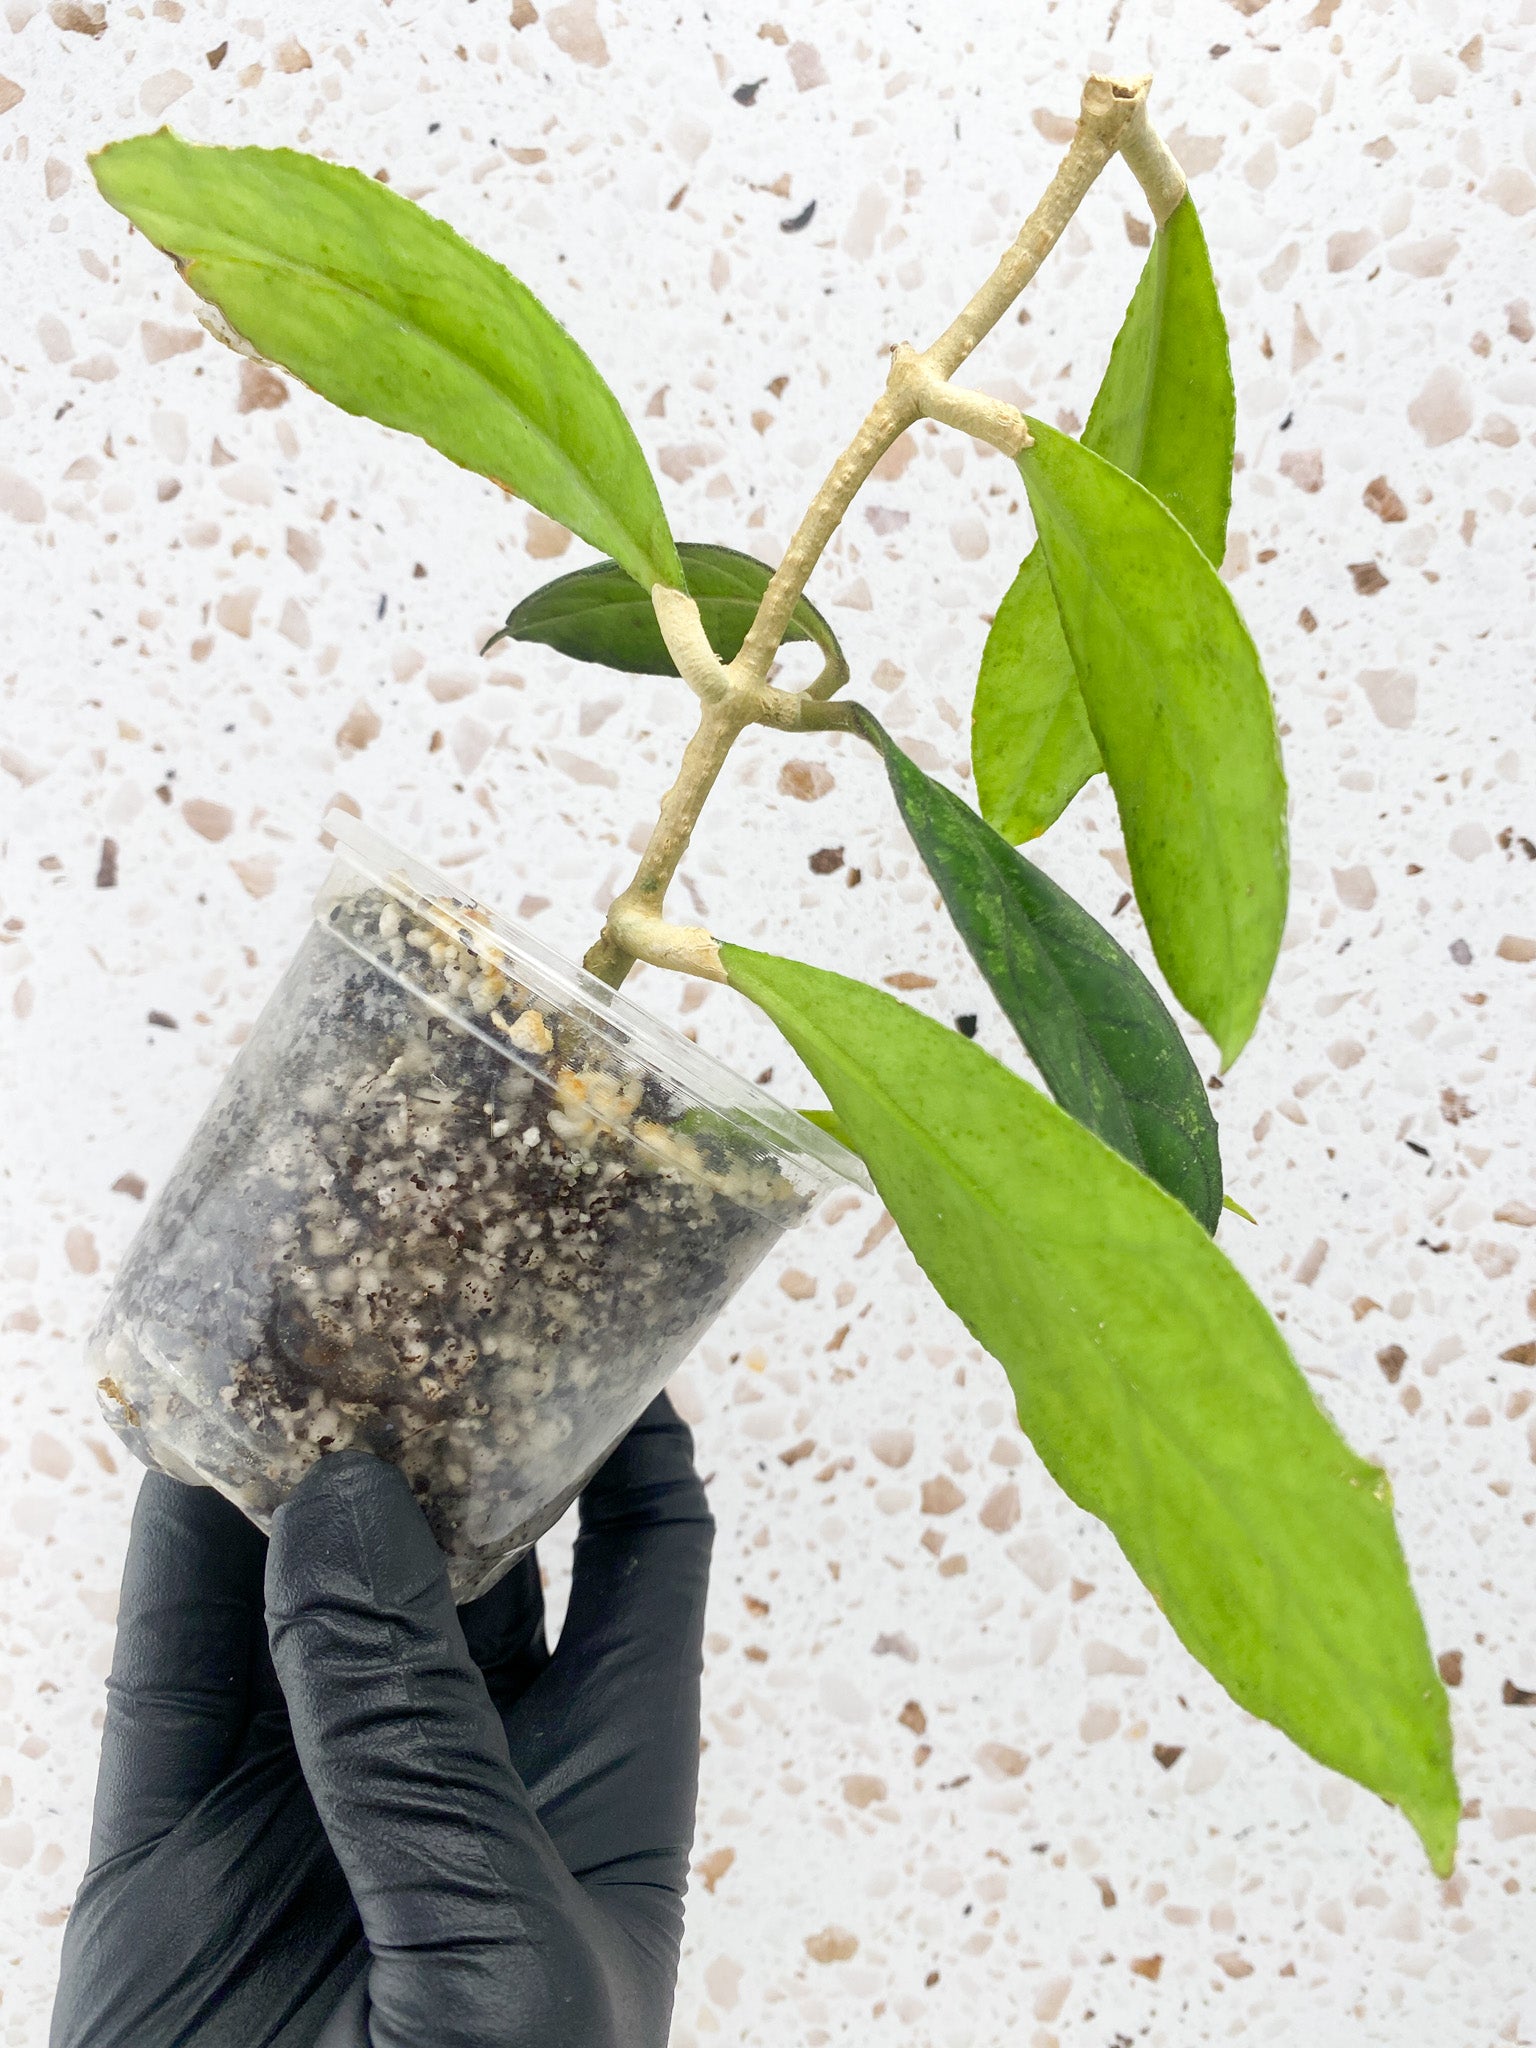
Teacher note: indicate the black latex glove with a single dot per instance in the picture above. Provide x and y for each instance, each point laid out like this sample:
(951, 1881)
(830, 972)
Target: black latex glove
(402, 1825)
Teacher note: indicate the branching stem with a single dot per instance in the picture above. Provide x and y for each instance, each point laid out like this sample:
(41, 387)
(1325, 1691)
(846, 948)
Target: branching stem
(737, 694)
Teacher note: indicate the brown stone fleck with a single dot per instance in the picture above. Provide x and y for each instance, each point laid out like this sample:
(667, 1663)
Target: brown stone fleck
(1520, 1354)
(106, 867)
(876, 1234)
(1150, 1967)
(261, 389)
(712, 1868)
(941, 1496)
(1167, 1753)
(1000, 1510)
(832, 1945)
(80, 1249)
(826, 860)
(74, 19)
(1517, 1695)
(796, 1452)
(1367, 578)
(209, 820)
(1392, 1358)
(360, 728)
(1002, 1760)
(1380, 498)
(913, 1718)
(1449, 1665)
(804, 780)
(130, 1184)
(905, 978)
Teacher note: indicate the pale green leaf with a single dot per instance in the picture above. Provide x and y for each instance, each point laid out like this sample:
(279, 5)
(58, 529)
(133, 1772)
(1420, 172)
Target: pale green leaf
(384, 310)
(1164, 413)
(1156, 1389)
(1182, 715)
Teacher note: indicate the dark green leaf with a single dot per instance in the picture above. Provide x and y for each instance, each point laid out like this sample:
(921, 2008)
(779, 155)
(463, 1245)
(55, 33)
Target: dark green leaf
(388, 313)
(1155, 1387)
(601, 614)
(1181, 712)
(1164, 414)
(1090, 1020)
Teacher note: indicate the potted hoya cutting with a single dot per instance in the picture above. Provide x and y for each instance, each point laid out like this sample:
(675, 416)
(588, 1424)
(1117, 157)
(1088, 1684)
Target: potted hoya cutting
(465, 1205)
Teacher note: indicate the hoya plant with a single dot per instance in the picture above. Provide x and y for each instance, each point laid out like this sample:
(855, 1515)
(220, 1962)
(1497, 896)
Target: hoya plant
(1069, 1225)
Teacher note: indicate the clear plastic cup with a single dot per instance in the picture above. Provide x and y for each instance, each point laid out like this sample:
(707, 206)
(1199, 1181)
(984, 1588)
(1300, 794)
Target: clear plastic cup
(458, 1204)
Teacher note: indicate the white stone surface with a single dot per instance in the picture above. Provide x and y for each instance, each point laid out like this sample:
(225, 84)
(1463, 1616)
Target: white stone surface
(214, 622)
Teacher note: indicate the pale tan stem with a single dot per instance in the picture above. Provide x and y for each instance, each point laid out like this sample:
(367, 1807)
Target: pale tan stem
(736, 694)
(973, 412)
(635, 929)
(1108, 106)
(688, 644)
(1107, 109)
(1153, 165)
(886, 421)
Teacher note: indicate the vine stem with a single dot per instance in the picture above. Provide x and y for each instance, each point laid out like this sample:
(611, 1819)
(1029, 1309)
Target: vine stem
(737, 694)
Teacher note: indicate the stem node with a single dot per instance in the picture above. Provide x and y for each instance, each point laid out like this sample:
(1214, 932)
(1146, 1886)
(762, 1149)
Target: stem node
(737, 694)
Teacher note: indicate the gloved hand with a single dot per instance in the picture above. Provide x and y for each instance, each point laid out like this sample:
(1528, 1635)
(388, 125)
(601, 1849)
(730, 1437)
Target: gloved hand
(368, 1819)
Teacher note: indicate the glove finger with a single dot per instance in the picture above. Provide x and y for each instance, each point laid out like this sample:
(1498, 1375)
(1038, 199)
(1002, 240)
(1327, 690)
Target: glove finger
(505, 1633)
(607, 1740)
(178, 1697)
(403, 1750)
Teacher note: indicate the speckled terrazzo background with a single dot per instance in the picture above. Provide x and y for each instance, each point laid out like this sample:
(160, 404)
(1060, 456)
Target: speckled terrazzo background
(962, 1786)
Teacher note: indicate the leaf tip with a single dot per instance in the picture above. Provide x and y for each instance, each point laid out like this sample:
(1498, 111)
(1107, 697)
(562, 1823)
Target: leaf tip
(1436, 1825)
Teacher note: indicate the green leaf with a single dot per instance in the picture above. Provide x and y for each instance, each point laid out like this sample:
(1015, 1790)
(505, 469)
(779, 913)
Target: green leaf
(601, 614)
(1090, 1020)
(827, 1120)
(1155, 1387)
(1164, 414)
(1181, 712)
(1238, 1210)
(1032, 747)
(387, 312)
